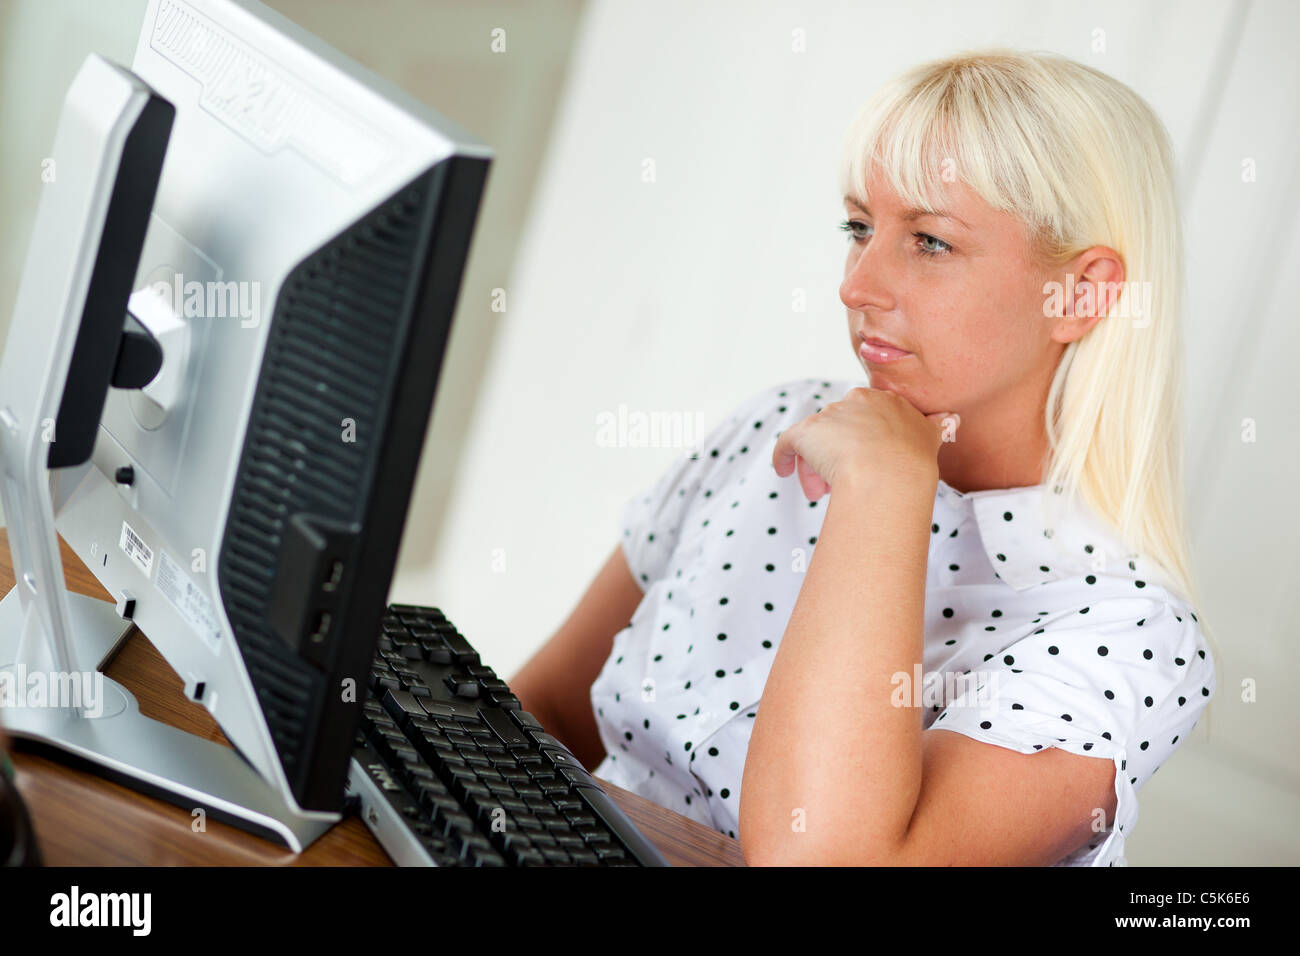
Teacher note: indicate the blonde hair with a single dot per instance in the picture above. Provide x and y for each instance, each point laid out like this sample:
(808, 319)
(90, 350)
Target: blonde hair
(1080, 160)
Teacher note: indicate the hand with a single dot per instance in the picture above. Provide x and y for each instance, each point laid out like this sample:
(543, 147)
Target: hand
(869, 431)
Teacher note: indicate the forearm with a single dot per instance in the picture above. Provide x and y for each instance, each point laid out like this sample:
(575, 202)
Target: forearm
(561, 702)
(827, 739)
(578, 732)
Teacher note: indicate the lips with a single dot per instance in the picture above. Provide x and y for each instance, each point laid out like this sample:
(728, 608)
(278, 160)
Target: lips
(877, 351)
(880, 343)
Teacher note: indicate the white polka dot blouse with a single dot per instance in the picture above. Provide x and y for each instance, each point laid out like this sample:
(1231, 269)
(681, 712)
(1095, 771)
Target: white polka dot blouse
(1040, 629)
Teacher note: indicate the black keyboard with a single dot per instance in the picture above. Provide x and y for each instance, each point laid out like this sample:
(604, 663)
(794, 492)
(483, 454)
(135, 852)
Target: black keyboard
(449, 771)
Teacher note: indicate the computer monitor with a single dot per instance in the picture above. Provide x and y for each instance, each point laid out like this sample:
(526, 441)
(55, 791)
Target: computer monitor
(300, 271)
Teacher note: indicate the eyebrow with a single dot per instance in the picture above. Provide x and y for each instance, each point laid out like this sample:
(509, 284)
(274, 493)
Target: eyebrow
(910, 215)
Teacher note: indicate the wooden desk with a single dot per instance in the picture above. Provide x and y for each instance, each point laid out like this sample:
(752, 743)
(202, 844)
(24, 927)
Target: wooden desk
(82, 819)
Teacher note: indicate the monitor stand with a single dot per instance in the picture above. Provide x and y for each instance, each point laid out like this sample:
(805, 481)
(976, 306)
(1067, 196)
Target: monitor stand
(107, 735)
(48, 636)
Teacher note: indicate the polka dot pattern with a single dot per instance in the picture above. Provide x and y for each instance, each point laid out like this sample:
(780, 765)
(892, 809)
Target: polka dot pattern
(1043, 629)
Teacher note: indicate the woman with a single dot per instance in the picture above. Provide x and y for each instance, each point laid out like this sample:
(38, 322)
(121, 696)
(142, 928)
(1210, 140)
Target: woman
(966, 634)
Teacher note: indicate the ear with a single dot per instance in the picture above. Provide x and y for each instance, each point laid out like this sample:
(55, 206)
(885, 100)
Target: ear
(1093, 282)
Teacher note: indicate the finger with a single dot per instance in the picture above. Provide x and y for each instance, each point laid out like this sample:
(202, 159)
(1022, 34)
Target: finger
(783, 455)
(814, 486)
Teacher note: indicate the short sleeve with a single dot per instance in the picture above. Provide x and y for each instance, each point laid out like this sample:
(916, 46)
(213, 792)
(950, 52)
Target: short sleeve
(652, 519)
(1124, 679)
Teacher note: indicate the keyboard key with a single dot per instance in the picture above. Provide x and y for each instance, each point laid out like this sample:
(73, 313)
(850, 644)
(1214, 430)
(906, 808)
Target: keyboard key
(472, 788)
(541, 806)
(482, 807)
(438, 708)
(405, 753)
(462, 685)
(577, 776)
(505, 729)
(395, 610)
(401, 706)
(460, 648)
(421, 773)
(437, 650)
(452, 822)
(512, 843)
(525, 720)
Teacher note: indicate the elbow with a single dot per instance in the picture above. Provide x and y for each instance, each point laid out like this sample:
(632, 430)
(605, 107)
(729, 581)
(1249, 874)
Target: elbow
(768, 853)
(780, 855)
(802, 853)
(794, 848)
(777, 846)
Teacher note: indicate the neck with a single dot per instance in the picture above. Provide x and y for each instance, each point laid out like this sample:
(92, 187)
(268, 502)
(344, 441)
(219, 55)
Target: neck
(996, 447)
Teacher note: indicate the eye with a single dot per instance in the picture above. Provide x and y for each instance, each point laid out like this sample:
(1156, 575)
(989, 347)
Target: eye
(929, 246)
(927, 250)
(856, 228)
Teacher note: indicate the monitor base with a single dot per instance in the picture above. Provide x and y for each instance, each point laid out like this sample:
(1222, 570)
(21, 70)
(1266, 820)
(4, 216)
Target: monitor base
(112, 738)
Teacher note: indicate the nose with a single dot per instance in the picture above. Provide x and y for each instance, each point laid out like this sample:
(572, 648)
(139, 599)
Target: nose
(868, 278)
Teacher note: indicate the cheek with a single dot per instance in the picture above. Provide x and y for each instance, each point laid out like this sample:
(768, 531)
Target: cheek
(972, 350)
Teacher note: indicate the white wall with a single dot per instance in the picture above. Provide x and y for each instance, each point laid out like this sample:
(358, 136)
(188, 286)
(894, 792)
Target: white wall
(676, 295)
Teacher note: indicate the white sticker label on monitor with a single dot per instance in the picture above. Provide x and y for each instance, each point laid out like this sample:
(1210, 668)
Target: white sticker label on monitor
(135, 549)
(192, 604)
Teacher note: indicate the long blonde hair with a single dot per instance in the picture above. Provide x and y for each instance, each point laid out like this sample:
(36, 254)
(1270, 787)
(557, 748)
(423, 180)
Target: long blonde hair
(1080, 160)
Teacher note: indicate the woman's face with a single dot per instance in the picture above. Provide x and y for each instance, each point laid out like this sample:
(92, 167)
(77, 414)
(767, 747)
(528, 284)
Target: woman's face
(963, 294)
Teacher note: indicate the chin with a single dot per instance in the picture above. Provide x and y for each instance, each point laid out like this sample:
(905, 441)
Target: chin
(883, 385)
(901, 392)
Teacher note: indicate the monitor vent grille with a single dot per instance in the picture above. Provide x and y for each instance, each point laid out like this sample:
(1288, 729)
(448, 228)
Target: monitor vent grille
(311, 441)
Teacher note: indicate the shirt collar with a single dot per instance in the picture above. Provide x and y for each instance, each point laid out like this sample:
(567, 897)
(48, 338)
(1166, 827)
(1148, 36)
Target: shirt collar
(1030, 541)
